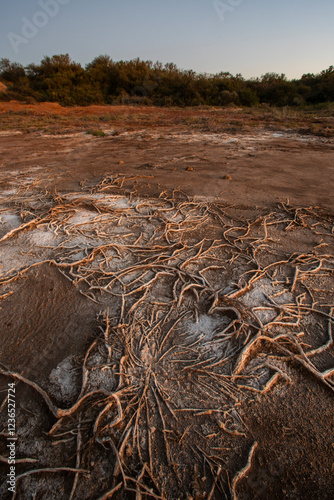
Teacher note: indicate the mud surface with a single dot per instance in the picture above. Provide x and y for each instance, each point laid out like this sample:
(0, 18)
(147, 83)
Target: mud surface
(255, 170)
(166, 312)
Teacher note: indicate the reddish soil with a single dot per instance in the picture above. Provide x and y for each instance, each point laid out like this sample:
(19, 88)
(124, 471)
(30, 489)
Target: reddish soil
(252, 170)
(46, 318)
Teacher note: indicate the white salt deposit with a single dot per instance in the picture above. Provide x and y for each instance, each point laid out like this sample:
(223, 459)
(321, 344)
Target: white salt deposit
(256, 296)
(11, 220)
(8, 192)
(43, 238)
(63, 380)
(207, 326)
(6, 133)
(82, 217)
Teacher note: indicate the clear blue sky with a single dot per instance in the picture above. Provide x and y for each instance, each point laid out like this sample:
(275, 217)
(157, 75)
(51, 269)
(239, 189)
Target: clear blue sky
(250, 37)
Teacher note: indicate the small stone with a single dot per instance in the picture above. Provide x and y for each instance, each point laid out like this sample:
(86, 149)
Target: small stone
(190, 169)
(121, 163)
(227, 177)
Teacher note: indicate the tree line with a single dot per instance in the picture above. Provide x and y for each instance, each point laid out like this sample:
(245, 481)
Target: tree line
(104, 81)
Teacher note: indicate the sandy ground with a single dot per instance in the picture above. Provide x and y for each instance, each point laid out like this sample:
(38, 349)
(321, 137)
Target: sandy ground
(170, 292)
(257, 167)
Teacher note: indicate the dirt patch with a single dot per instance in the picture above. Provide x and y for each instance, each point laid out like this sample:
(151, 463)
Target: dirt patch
(167, 340)
(46, 312)
(260, 169)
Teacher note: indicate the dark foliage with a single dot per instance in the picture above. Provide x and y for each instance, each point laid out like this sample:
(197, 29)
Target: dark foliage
(103, 81)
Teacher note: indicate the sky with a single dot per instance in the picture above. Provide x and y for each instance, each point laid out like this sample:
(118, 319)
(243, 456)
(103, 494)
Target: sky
(251, 37)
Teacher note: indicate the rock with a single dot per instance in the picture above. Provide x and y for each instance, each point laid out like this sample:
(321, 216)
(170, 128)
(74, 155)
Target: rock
(227, 177)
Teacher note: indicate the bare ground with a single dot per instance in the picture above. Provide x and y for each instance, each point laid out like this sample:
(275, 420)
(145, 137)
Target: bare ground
(166, 305)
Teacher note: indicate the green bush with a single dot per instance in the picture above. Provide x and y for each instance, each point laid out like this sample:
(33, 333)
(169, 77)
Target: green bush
(136, 82)
(96, 133)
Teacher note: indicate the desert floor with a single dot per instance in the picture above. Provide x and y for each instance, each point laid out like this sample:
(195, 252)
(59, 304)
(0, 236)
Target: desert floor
(167, 302)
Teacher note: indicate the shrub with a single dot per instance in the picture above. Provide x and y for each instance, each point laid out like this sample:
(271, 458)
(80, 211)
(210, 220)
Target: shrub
(96, 133)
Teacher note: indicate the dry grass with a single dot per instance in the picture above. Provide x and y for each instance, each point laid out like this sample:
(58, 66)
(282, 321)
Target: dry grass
(51, 118)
